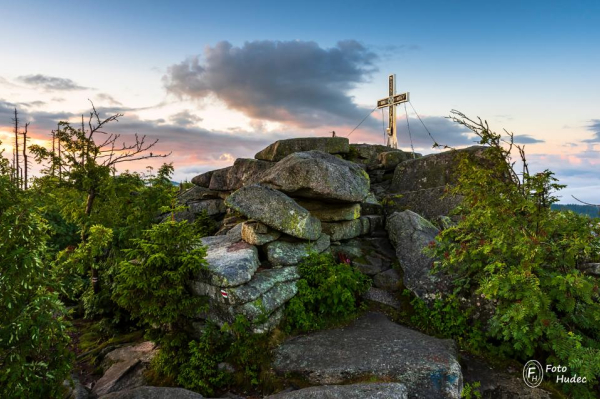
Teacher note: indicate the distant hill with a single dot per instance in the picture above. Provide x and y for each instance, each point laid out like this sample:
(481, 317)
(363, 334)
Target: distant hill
(577, 208)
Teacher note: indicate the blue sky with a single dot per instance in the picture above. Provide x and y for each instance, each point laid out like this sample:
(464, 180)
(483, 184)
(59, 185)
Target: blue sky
(216, 81)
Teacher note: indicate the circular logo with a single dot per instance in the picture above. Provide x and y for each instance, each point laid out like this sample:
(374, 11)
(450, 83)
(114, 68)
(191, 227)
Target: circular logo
(533, 373)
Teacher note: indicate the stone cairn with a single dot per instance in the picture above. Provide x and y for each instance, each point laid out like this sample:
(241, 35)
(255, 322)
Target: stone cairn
(297, 196)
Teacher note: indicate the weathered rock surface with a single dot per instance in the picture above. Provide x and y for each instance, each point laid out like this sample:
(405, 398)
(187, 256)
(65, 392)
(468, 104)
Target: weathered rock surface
(143, 351)
(285, 253)
(382, 296)
(331, 212)
(390, 159)
(367, 154)
(282, 148)
(262, 282)
(411, 234)
(245, 172)
(122, 375)
(196, 193)
(75, 390)
(427, 202)
(219, 179)
(496, 384)
(375, 346)
(230, 262)
(371, 206)
(343, 230)
(316, 174)
(256, 233)
(388, 280)
(381, 390)
(276, 210)
(154, 393)
(203, 180)
(430, 171)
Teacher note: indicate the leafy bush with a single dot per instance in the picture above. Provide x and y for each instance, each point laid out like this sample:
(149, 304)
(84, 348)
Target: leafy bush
(34, 359)
(152, 284)
(513, 250)
(327, 292)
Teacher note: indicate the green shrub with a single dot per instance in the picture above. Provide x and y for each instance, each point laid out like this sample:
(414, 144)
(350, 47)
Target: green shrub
(328, 292)
(511, 249)
(153, 283)
(34, 356)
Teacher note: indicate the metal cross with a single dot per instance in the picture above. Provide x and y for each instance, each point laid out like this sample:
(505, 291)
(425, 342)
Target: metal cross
(391, 101)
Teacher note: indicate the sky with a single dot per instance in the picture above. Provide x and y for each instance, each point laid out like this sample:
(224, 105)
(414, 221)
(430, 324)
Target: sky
(215, 81)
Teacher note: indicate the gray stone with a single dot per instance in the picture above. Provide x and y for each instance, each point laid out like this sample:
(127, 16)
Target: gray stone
(154, 393)
(276, 210)
(210, 206)
(282, 148)
(144, 351)
(75, 389)
(269, 301)
(371, 265)
(195, 194)
(390, 159)
(388, 280)
(371, 206)
(376, 222)
(316, 174)
(367, 154)
(430, 171)
(382, 296)
(245, 172)
(286, 253)
(343, 230)
(261, 282)
(374, 346)
(203, 180)
(331, 212)
(380, 390)
(411, 234)
(122, 375)
(256, 233)
(431, 203)
(365, 226)
(228, 263)
(497, 384)
(592, 269)
(219, 180)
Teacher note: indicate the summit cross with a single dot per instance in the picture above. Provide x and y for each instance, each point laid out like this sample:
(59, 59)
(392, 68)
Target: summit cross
(391, 101)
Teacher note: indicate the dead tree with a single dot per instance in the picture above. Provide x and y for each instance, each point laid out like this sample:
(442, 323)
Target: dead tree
(25, 161)
(16, 168)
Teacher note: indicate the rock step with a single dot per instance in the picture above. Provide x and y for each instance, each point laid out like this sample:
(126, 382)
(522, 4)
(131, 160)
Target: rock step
(374, 346)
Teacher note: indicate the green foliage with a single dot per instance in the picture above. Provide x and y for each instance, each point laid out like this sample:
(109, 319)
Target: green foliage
(152, 284)
(516, 253)
(34, 359)
(327, 293)
(590, 210)
(445, 317)
(471, 391)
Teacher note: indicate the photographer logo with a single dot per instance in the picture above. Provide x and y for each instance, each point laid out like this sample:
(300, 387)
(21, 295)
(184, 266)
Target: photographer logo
(533, 373)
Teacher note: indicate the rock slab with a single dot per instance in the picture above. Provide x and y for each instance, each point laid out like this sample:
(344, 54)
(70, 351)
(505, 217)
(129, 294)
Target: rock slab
(316, 174)
(276, 210)
(282, 148)
(375, 346)
(354, 391)
(410, 234)
(231, 262)
(154, 393)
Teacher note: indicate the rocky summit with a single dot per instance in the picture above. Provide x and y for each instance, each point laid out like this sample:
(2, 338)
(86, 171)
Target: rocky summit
(372, 206)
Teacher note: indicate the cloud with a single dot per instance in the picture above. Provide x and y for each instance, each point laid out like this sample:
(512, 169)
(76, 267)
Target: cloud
(594, 127)
(107, 98)
(50, 83)
(185, 118)
(294, 82)
(526, 139)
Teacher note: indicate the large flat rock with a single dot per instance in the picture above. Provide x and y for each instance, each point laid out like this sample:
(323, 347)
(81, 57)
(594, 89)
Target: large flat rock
(153, 393)
(245, 172)
(316, 174)
(382, 390)
(374, 346)
(276, 210)
(282, 148)
(331, 212)
(230, 262)
(430, 171)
